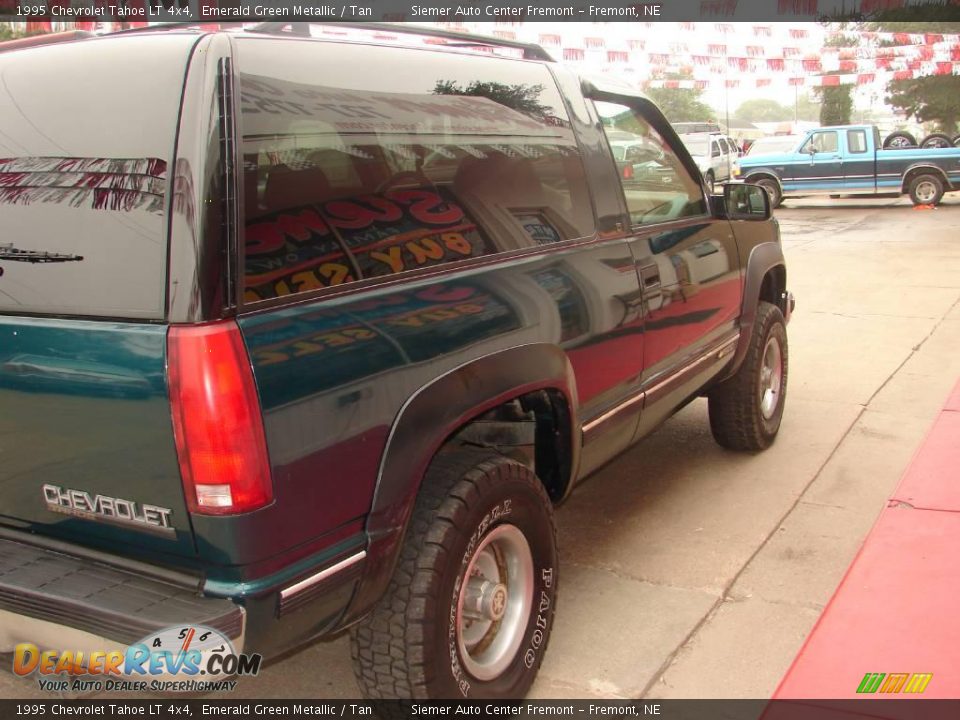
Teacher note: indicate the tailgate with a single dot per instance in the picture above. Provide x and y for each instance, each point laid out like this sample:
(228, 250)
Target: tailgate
(86, 439)
(86, 146)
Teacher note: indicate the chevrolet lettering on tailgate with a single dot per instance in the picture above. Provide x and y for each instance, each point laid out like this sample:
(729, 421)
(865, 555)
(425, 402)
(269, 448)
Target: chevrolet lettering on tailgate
(106, 508)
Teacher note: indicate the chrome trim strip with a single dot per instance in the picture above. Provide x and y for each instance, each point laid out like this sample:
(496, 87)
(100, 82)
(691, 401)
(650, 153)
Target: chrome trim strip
(663, 386)
(615, 410)
(720, 350)
(299, 587)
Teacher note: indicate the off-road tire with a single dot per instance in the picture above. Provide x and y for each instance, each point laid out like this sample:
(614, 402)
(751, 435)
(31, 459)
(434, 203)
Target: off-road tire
(408, 647)
(936, 140)
(736, 419)
(773, 191)
(926, 189)
(899, 140)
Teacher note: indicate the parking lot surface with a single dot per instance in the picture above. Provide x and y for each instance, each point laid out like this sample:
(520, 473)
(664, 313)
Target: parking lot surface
(689, 571)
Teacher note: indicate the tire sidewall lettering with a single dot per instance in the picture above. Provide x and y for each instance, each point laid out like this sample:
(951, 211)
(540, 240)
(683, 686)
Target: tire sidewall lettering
(517, 511)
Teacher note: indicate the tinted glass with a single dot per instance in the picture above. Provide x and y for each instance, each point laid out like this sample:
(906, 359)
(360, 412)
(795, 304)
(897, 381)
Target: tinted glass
(857, 141)
(85, 146)
(364, 161)
(656, 186)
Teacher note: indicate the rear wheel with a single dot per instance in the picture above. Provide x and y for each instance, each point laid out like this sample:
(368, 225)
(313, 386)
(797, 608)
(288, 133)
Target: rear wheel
(470, 607)
(746, 409)
(936, 140)
(926, 189)
(898, 140)
(773, 191)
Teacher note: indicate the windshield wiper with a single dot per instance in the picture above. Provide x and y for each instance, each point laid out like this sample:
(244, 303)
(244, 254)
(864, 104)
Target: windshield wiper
(9, 252)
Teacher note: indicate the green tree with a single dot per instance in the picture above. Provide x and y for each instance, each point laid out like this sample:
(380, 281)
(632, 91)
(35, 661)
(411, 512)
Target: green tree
(836, 101)
(681, 104)
(760, 110)
(837, 105)
(928, 99)
(519, 97)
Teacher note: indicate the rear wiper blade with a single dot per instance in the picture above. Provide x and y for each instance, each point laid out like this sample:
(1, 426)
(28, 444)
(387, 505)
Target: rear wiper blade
(9, 252)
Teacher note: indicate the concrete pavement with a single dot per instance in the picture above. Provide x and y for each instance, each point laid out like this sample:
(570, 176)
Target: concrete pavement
(688, 571)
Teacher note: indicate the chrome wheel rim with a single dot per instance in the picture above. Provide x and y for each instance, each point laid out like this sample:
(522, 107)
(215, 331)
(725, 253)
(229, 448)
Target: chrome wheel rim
(494, 602)
(771, 378)
(900, 142)
(937, 143)
(926, 191)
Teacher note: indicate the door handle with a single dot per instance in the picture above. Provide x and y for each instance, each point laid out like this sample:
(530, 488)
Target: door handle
(650, 276)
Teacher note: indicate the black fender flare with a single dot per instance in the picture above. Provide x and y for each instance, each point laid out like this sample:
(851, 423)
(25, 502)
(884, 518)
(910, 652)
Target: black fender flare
(426, 420)
(763, 258)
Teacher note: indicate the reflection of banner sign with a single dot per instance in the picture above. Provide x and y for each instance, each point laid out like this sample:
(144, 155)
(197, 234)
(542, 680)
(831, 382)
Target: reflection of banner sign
(318, 246)
(85, 182)
(275, 108)
(332, 348)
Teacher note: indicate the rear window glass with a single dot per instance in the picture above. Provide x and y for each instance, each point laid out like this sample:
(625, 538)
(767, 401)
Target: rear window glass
(363, 162)
(85, 147)
(857, 141)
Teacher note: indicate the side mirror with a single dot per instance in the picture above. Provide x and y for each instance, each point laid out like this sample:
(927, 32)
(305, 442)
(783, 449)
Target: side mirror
(746, 202)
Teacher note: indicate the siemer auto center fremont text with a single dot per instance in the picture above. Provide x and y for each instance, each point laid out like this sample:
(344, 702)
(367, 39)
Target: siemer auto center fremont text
(416, 709)
(533, 11)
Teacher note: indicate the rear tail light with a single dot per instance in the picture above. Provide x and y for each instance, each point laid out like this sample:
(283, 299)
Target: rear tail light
(216, 420)
(628, 172)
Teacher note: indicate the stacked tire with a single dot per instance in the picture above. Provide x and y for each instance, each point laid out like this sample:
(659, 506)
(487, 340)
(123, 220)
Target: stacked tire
(899, 140)
(936, 140)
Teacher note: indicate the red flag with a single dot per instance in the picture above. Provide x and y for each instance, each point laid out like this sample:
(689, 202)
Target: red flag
(865, 78)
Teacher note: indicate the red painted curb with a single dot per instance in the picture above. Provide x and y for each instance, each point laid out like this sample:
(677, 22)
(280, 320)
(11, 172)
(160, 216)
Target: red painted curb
(897, 609)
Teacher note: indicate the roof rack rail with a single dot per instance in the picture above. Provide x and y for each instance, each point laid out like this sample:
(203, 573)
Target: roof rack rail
(531, 51)
(48, 39)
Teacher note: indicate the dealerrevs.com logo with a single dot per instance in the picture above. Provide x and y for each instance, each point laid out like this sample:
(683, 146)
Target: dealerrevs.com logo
(182, 658)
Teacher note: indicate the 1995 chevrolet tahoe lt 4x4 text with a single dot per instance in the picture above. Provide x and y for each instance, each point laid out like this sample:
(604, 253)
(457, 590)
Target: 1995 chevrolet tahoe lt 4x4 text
(300, 334)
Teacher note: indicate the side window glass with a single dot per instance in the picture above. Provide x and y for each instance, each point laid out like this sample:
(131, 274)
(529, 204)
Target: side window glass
(656, 185)
(857, 141)
(400, 160)
(821, 142)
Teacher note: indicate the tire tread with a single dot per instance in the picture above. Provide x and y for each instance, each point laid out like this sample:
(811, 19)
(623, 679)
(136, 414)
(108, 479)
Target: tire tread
(734, 419)
(389, 649)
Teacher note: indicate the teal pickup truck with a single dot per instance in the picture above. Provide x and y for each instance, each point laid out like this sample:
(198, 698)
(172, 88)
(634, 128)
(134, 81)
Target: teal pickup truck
(849, 159)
